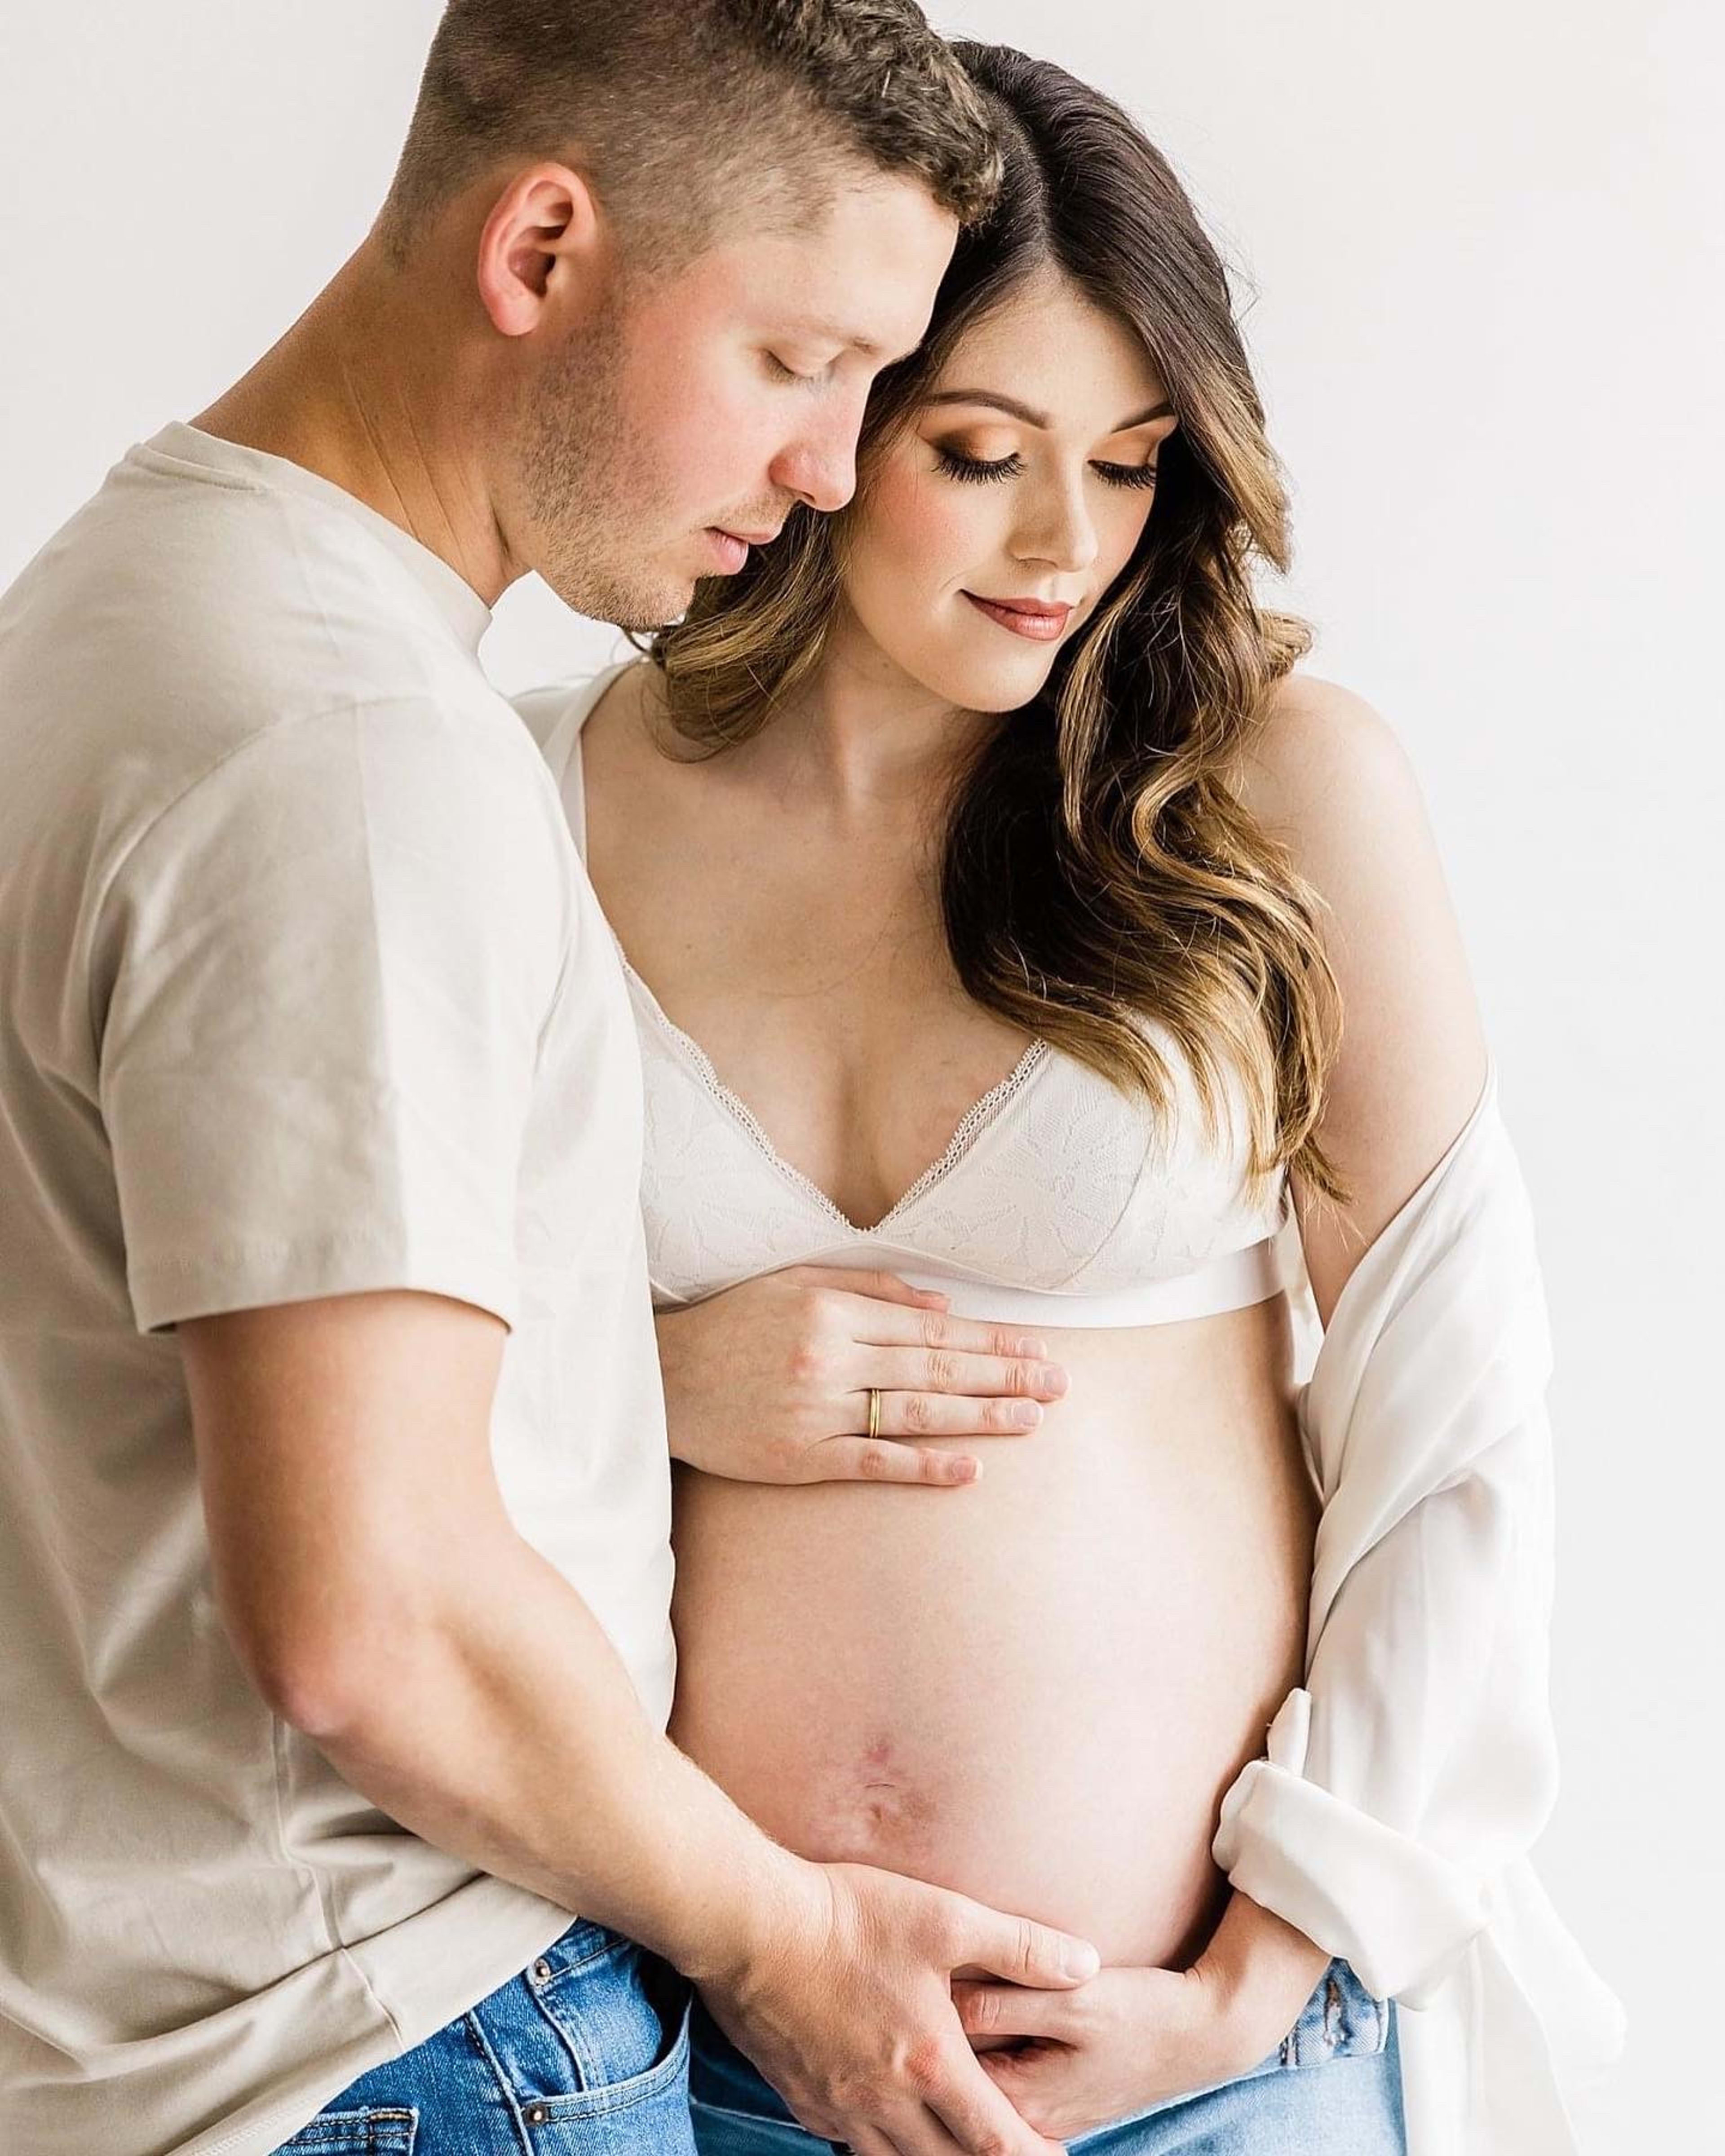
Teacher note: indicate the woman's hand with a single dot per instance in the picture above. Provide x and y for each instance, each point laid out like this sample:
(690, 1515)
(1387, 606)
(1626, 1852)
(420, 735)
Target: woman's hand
(1132, 2037)
(1129, 2038)
(769, 1381)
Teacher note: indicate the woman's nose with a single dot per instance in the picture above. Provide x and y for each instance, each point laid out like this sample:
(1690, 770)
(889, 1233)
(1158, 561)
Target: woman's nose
(1062, 535)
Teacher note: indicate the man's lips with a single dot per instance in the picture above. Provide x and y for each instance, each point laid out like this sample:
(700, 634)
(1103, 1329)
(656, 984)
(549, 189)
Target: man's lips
(732, 547)
(1042, 620)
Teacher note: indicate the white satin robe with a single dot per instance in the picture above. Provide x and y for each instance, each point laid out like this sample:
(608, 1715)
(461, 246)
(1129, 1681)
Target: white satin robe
(1406, 1779)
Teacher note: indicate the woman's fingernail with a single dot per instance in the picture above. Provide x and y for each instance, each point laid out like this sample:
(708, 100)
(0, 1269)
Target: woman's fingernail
(1026, 1413)
(1033, 1348)
(1050, 1380)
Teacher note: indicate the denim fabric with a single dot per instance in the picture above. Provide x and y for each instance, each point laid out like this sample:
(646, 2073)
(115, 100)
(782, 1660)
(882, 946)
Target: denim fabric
(1333, 2085)
(584, 2054)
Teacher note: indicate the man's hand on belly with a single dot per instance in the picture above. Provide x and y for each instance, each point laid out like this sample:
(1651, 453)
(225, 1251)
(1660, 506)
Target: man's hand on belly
(847, 2007)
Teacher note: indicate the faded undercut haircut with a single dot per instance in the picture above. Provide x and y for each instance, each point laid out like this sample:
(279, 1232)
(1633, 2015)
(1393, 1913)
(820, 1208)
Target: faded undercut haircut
(677, 112)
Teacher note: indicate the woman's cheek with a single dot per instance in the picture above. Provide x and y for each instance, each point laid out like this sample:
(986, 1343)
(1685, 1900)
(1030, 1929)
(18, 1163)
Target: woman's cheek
(927, 529)
(1122, 540)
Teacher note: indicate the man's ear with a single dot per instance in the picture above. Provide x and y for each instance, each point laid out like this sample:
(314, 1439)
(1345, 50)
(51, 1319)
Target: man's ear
(546, 224)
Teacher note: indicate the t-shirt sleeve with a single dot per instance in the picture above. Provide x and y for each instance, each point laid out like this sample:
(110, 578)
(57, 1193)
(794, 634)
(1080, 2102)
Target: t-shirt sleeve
(326, 972)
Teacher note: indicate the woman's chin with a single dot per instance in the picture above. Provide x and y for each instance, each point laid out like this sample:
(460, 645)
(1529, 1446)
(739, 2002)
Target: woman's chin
(997, 686)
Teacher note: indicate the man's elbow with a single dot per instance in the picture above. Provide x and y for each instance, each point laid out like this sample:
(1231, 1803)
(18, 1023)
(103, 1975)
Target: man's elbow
(328, 1682)
(321, 1697)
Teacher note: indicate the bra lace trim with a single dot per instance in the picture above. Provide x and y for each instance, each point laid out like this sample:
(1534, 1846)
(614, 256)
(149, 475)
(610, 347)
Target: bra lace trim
(971, 1125)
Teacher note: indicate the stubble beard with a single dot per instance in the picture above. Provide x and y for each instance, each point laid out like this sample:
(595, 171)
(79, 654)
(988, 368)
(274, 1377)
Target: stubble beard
(594, 490)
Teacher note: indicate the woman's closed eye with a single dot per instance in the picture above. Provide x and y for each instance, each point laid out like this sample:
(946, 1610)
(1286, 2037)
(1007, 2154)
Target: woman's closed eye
(1126, 474)
(957, 465)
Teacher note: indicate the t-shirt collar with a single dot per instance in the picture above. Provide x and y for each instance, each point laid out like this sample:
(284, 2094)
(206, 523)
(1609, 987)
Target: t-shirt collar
(466, 612)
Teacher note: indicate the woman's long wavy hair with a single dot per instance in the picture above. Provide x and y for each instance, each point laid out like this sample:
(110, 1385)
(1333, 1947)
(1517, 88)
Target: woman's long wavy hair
(1098, 870)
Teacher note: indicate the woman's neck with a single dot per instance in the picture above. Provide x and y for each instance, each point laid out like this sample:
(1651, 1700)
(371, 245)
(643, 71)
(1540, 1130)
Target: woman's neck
(861, 736)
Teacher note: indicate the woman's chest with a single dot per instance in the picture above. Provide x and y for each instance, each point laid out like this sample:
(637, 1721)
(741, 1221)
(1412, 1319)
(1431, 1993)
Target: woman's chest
(823, 995)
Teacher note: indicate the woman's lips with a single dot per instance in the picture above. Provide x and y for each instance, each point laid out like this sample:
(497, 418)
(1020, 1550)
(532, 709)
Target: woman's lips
(1036, 619)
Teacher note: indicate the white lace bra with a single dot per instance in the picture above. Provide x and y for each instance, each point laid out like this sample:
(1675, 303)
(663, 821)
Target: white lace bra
(1059, 1200)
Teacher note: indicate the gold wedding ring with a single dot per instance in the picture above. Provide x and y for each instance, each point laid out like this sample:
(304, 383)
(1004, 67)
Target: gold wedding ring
(874, 1411)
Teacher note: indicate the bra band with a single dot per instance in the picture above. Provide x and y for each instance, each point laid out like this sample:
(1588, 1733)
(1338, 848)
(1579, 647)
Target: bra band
(1233, 1281)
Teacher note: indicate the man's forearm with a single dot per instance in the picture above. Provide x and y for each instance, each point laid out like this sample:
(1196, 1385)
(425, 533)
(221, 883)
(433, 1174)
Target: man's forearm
(499, 1724)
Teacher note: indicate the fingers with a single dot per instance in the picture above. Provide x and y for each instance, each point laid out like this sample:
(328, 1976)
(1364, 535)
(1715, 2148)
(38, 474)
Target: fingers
(978, 1376)
(873, 1460)
(849, 1458)
(979, 2115)
(865, 2141)
(1013, 2009)
(1021, 1950)
(1014, 2073)
(895, 1326)
(938, 1353)
(877, 1287)
(952, 1414)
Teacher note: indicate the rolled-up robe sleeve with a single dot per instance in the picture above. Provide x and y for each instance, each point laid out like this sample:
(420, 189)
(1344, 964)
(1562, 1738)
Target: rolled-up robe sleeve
(1419, 1757)
(1404, 1782)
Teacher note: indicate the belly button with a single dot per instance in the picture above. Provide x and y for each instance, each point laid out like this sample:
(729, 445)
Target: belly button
(873, 1802)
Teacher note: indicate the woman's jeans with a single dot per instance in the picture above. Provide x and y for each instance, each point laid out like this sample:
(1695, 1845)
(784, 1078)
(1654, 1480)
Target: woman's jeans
(1333, 2088)
(584, 2054)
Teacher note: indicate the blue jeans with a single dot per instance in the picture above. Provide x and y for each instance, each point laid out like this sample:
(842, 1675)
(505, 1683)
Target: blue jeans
(1331, 2088)
(584, 2054)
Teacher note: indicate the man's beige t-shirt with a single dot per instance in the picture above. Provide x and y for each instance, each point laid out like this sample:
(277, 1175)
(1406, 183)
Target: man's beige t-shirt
(303, 992)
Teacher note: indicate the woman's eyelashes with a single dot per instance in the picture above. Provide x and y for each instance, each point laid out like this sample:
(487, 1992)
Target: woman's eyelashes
(1139, 476)
(957, 465)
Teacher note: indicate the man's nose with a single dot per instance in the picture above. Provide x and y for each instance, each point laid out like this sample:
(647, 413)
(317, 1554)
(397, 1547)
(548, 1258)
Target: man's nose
(819, 465)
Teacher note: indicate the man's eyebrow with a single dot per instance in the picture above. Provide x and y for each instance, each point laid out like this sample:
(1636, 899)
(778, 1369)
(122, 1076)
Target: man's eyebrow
(1034, 417)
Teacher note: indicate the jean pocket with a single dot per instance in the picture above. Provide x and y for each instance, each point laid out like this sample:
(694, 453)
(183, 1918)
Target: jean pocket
(618, 2018)
(379, 2131)
(1341, 2020)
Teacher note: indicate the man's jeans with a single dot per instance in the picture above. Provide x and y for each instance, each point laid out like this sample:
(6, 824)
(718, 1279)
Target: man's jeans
(1331, 2088)
(584, 2054)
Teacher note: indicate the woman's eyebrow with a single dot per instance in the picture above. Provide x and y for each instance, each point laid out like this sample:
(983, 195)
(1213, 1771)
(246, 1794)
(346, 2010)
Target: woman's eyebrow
(1030, 415)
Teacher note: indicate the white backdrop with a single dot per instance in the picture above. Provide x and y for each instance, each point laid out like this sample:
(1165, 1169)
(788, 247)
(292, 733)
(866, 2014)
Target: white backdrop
(1484, 243)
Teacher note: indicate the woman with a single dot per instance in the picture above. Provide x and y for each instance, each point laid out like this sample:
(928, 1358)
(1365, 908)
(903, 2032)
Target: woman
(1039, 970)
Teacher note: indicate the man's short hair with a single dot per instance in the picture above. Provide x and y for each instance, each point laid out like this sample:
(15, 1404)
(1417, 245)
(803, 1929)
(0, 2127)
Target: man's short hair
(680, 110)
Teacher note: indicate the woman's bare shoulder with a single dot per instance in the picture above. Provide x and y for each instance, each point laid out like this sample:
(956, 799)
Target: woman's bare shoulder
(1325, 775)
(1320, 760)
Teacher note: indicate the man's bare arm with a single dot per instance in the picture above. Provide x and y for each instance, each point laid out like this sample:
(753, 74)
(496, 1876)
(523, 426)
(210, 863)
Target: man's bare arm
(382, 1602)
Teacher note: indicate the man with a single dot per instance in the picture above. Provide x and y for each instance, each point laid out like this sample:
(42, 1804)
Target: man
(334, 1494)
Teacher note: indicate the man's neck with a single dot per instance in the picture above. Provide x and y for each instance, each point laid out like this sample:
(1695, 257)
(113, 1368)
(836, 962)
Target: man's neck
(362, 391)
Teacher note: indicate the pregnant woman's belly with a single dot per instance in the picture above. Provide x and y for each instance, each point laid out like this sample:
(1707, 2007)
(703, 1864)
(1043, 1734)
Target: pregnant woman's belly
(1033, 1690)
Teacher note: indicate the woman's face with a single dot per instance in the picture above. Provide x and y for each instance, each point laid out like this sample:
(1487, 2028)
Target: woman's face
(992, 527)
